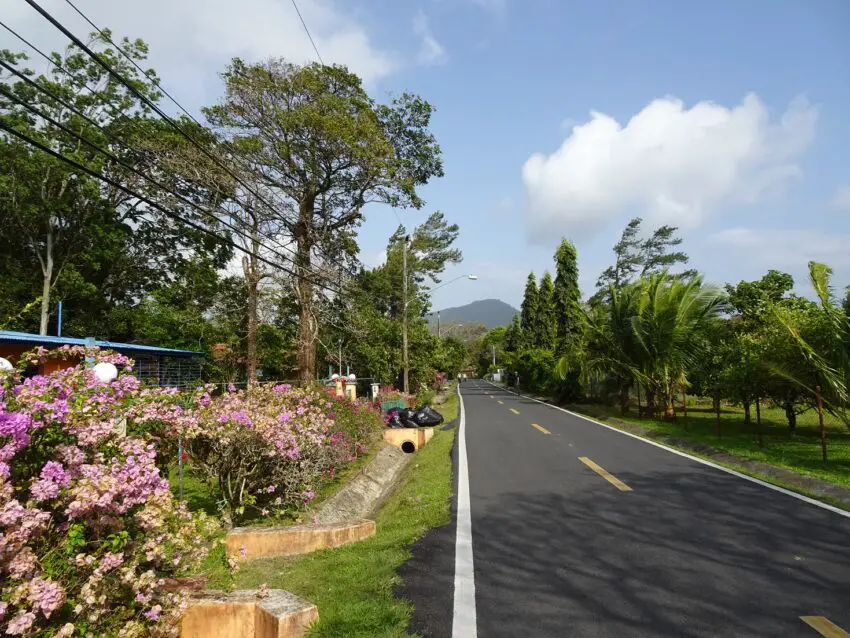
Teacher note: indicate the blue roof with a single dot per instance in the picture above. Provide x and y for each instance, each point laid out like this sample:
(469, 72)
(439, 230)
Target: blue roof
(26, 337)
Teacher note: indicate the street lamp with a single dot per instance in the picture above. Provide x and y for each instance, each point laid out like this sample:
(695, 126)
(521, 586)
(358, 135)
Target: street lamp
(404, 310)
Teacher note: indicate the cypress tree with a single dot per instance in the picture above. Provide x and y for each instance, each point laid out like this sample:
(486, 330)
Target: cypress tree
(530, 310)
(547, 314)
(567, 297)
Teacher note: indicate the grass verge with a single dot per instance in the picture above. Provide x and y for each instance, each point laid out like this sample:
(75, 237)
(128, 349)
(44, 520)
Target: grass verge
(353, 585)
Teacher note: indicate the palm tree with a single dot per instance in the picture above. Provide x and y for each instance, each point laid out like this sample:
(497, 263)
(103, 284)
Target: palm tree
(652, 333)
(669, 325)
(830, 358)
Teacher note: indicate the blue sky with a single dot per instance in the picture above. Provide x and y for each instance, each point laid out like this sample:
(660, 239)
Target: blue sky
(565, 118)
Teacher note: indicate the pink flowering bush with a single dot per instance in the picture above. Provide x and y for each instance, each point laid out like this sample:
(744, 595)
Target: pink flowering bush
(89, 530)
(268, 450)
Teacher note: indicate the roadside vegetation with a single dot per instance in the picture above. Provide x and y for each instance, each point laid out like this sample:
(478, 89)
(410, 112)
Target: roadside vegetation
(757, 363)
(353, 585)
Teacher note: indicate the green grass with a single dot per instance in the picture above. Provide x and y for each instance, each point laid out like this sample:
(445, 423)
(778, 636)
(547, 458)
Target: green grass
(800, 452)
(449, 409)
(353, 585)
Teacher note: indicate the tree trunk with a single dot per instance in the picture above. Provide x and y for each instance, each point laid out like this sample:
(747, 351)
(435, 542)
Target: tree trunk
(307, 326)
(716, 400)
(790, 415)
(252, 286)
(624, 398)
(747, 418)
(758, 421)
(47, 271)
(650, 403)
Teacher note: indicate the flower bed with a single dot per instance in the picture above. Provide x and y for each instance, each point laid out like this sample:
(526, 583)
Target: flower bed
(269, 450)
(90, 534)
(89, 530)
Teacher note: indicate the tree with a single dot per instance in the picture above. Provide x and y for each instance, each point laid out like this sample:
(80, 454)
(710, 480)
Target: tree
(317, 140)
(752, 300)
(668, 319)
(642, 257)
(547, 314)
(657, 254)
(530, 309)
(513, 336)
(823, 341)
(567, 296)
(55, 210)
(627, 258)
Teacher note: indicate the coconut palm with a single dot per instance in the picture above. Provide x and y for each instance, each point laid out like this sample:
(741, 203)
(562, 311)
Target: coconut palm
(652, 333)
(830, 356)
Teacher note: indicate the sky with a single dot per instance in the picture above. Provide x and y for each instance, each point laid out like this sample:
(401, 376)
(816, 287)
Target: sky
(564, 118)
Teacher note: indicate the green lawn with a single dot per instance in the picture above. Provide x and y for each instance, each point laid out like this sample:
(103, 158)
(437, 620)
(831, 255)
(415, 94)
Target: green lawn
(353, 585)
(800, 452)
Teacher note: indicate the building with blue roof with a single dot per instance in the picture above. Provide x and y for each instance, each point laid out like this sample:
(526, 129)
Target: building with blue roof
(163, 367)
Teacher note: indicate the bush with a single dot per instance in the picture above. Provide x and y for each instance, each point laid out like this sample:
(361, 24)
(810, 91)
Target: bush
(89, 528)
(268, 450)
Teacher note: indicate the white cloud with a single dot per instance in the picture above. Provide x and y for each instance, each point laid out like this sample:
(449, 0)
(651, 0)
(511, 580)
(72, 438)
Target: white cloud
(672, 163)
(841, 199)
(431, 52)
(192, 43)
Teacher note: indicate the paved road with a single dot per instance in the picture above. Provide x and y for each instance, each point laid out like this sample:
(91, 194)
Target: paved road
(560, 549)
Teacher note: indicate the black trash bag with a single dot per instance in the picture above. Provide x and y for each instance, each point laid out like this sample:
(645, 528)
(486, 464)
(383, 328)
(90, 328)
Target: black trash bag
(427, 417)
(393, 419)
(407, 417)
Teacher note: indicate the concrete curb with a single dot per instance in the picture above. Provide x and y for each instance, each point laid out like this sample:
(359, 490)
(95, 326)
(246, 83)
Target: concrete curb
(248, 543)
(244, 614)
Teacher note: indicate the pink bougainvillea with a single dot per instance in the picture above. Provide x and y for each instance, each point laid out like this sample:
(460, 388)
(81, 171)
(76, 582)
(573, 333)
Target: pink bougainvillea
(269, 449)
(82, 503)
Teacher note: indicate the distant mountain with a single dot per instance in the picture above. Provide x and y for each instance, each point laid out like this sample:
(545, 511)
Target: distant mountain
(490, 312)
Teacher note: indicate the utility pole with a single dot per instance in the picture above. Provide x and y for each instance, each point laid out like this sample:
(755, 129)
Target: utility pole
(438, 323)
(404, 316)
(494, 354)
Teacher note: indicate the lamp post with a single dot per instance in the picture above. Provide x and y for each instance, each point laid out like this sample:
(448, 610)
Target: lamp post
(405, 360)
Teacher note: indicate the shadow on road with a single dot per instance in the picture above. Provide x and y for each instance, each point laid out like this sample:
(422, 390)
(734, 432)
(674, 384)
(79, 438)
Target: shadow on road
(691, 554)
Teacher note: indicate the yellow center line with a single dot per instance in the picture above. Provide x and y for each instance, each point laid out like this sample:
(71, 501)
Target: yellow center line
(514, 411)
(613, 480)
(824, 626)
(541, 428)
(501, 403)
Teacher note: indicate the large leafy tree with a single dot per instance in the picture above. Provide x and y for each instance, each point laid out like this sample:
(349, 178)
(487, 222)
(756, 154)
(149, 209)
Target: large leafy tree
(55, 211)
(327, 149)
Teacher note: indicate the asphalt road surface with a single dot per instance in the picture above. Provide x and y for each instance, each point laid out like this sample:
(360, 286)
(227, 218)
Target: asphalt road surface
(579, 530)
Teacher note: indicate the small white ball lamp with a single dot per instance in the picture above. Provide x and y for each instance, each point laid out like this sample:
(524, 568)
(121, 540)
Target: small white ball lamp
(105, 372)
(352, 377)
(6, 365)
(334, 376)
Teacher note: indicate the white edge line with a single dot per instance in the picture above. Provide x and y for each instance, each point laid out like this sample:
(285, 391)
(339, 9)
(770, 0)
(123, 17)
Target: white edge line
(746, 477)
(464, 623)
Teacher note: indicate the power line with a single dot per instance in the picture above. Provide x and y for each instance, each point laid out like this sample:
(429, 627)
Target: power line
(142, 198)
(141, 96)
(110, 155)
(304, 24)
(42, 89)
(162, 89)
